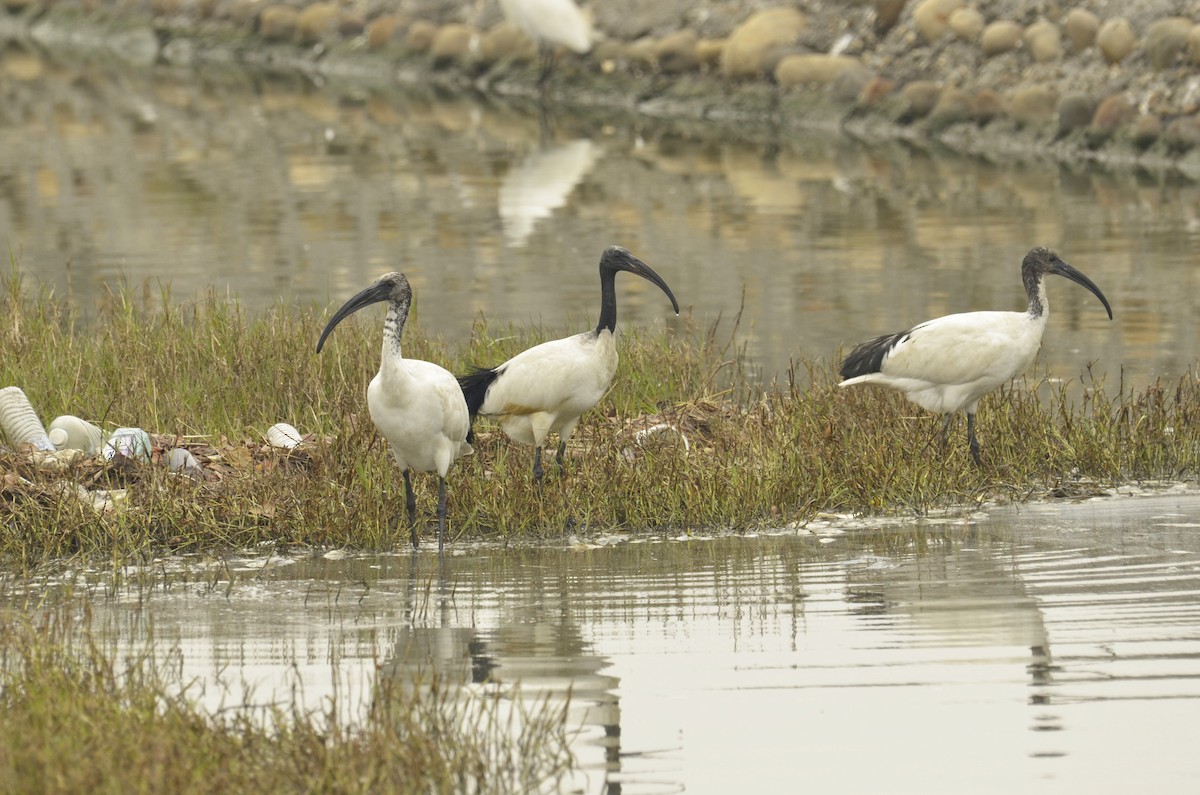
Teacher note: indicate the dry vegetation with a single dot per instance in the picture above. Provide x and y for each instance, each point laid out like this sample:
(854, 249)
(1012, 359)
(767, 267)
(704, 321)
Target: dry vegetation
(209, 377)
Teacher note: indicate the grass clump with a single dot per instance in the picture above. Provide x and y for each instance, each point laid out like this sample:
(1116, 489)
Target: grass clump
(682, 441)
(78, 717)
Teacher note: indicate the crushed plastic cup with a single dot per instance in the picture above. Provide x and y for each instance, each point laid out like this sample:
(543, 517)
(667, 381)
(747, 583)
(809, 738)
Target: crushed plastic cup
(133, 443)
(72, 433)
(283, 435)
(20, 422)
(181, 461)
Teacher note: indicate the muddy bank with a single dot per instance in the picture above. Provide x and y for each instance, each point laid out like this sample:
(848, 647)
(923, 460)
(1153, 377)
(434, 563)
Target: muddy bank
(1116, 82)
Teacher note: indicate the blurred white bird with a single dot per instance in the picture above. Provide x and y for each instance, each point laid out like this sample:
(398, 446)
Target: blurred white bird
(540, 184)
(947, 364)
(416, 405)
(551, 23)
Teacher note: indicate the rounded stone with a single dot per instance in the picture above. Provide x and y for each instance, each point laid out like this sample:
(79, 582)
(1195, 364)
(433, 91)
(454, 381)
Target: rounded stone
(1146, 131)
(317, 22)
(1080, 25)
(278, 23)
(1075, 111)
(453, 43)
(382, 30)
(1116, 39)
(1043, 41)
(1033, 105)
(887, 14)
(1182, 134)
(813, 69)
(420, 35)
(1193, 45)
(875, 91)
(966, 23)
(1000, 37)
(932, 17)
(953, 106)
(676, 53)
(709, 52)
(1165, 39)
(987, 105)
(506, 41)
(763, 32)
(920, 97)
(1111, 114)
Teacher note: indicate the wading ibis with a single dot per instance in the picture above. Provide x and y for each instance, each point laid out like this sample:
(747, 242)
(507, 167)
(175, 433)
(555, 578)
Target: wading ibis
(416, 405)
(946, 365)
(546, 388)
(550, 23)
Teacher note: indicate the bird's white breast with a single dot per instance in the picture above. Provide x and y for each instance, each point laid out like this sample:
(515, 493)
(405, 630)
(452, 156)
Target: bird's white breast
(419, 408)
(564, 377)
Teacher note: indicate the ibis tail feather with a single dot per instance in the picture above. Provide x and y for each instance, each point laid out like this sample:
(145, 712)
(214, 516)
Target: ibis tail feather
(868, 357)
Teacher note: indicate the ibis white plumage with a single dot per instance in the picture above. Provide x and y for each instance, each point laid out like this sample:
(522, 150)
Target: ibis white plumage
(551, 23)
(947, 364)
(416, 405)
(546, 388)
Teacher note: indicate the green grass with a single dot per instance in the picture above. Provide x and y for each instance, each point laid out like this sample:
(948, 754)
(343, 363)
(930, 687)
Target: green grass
(77, 716)
(212, 377)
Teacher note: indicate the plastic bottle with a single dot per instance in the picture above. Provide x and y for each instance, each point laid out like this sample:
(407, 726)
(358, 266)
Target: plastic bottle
(283, 435)
(19, 420)
(130, 442)
(74, 433)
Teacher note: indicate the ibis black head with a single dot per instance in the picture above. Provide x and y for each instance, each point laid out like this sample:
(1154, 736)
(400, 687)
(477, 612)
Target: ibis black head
(391, 287)
(616, 259)
(1040, 261)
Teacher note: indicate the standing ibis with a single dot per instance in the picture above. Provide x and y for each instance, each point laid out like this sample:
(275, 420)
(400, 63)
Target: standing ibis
(546, 388)
(947, 364)
(550, 23)
(416, 405)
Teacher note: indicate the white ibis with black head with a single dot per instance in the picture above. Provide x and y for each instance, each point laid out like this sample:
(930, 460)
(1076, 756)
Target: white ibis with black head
(416, 405)
(546, 388)
(550, 23)
(946, 365)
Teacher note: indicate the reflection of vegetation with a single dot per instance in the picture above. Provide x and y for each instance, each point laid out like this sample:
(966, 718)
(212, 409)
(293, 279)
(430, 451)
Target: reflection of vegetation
(755, 457)
(75, 717)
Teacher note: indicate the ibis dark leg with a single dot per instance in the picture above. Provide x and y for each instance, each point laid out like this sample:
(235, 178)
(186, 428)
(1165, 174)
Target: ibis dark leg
(410, 501)
(546, 56)
(441, 514)
(946, 418)
(538, 472)
(971, 440)
(562, 449)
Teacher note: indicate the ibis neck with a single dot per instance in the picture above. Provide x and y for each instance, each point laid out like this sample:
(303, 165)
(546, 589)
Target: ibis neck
(393, 327)
(1035, 288)
(608, 301)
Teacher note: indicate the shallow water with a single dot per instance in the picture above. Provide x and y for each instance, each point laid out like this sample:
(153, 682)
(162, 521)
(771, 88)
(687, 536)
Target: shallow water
(273, 189)
(1051, 647)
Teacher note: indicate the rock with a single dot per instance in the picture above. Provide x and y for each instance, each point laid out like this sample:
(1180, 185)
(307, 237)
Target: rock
(966, 23)
(887, 12)
(351, 24)
(932, 17)
(278, 23)
(920, 98)
(676, 53)
(641, 53)
(1182, 134)
(953, 106)
(1193, 45)
(1111, 114)
(813, 69)
(1075, 111)
(1000, 37)
(875, 91)
(1146, 131)
(453, 44)
(1043, 41)
(137, 45)
(317, 22)
(709, 52)
(1033, 105)
(848, 86)
(987, 105)
(419, 37)
(1116, 39)
(506, 41)
(753, 40)
(1165, 39)
(383, 31)
(1081, 25)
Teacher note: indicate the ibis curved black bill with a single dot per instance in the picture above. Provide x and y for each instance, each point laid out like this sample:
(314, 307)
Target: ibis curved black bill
(616, 259)
(1063, 269)
(381, 290)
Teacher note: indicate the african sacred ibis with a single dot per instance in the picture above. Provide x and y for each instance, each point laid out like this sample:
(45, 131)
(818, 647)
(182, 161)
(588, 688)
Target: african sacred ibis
(416, 405)
(947, 364)
(550, 23)
(546, 388)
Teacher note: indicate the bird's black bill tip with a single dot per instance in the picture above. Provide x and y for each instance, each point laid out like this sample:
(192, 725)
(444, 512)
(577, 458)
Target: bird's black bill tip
(379, 291)
(1067, 271)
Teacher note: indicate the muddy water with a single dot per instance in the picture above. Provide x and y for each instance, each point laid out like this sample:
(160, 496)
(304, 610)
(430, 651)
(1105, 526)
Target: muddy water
(273, 189)
(1046, 648)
